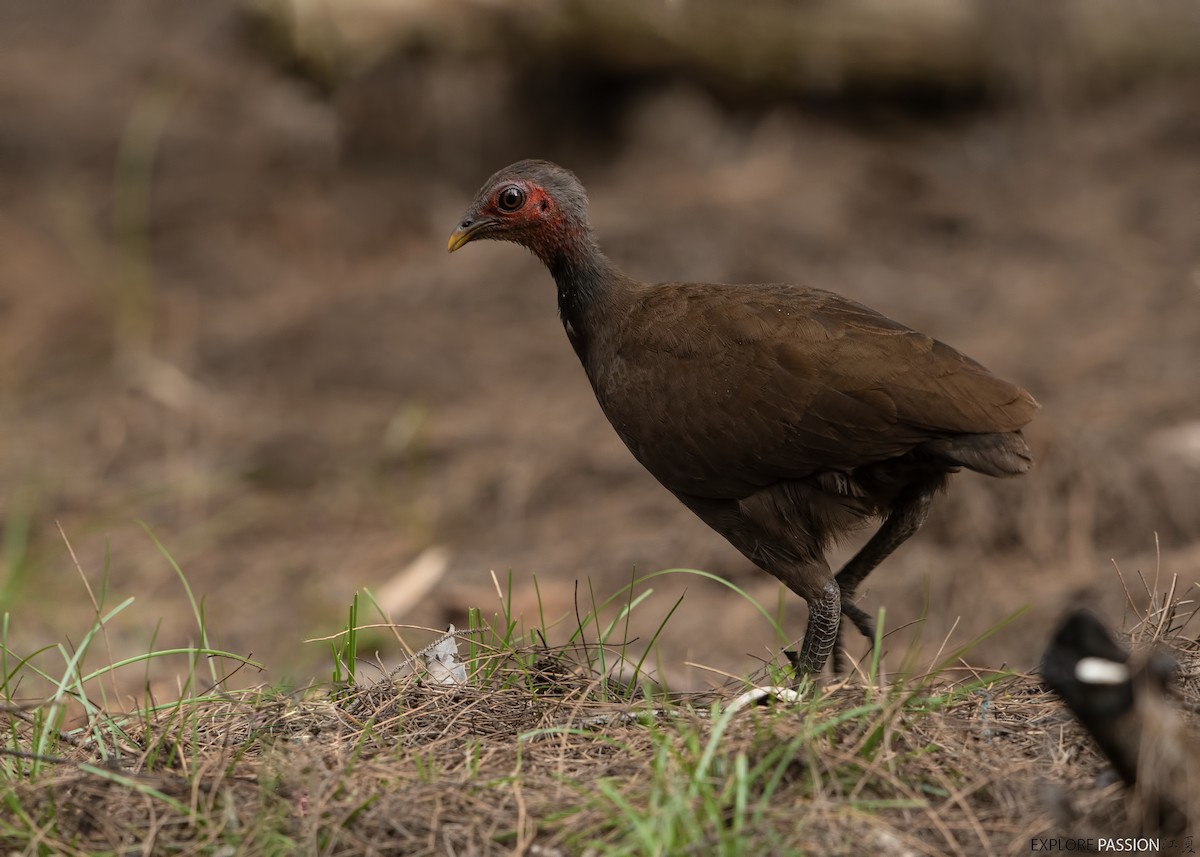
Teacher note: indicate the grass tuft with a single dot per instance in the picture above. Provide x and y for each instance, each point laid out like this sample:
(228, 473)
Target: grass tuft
(565, 745)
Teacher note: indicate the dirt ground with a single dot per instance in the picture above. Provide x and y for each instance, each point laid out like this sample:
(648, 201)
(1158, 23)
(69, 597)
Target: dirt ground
(226, 310)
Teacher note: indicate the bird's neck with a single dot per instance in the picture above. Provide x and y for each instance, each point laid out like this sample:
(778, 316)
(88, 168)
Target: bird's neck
(586, 282)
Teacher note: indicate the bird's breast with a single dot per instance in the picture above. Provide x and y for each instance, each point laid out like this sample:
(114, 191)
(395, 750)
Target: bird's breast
(679, 419)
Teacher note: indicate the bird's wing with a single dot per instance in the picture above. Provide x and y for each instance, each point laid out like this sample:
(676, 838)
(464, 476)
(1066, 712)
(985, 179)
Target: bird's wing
(920, 383)
(718, 390)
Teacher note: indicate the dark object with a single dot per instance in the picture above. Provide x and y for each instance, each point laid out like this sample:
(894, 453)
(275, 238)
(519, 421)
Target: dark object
(1122, 704)
(1089, 670)
(782, 416)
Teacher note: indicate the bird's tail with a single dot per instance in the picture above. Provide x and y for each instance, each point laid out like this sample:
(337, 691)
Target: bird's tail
(995, 454)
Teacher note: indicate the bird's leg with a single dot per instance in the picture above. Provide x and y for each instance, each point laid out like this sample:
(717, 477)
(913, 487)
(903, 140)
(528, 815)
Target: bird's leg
(907, 515)
(824, 617)
(862, 620)
(865, 624)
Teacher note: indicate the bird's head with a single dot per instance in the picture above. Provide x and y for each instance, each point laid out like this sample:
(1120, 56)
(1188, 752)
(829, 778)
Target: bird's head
(536, 204)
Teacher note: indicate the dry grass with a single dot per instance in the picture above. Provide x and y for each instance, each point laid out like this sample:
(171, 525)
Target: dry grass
(536, 754)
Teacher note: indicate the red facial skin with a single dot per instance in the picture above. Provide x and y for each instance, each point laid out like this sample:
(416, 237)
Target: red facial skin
(553, 226)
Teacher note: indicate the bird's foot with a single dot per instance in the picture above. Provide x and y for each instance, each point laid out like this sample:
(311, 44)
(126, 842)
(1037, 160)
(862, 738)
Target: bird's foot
(862, 621)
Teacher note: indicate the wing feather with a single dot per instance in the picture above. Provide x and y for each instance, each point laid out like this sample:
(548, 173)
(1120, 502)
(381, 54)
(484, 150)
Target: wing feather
(748, 390)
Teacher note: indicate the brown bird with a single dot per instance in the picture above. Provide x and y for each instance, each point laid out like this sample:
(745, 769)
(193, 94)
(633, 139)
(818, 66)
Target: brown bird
(782, 416)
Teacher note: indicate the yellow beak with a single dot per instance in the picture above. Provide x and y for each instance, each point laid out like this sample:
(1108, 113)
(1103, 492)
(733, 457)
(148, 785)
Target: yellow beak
(458, 238)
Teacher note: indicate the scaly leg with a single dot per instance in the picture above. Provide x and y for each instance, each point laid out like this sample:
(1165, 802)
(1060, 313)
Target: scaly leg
(821, 635)
(907, 516)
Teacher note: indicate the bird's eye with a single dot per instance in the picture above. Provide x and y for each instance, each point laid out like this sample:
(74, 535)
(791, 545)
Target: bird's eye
(511, 198)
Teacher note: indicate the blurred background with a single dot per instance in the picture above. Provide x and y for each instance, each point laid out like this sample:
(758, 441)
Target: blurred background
(226, 308)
